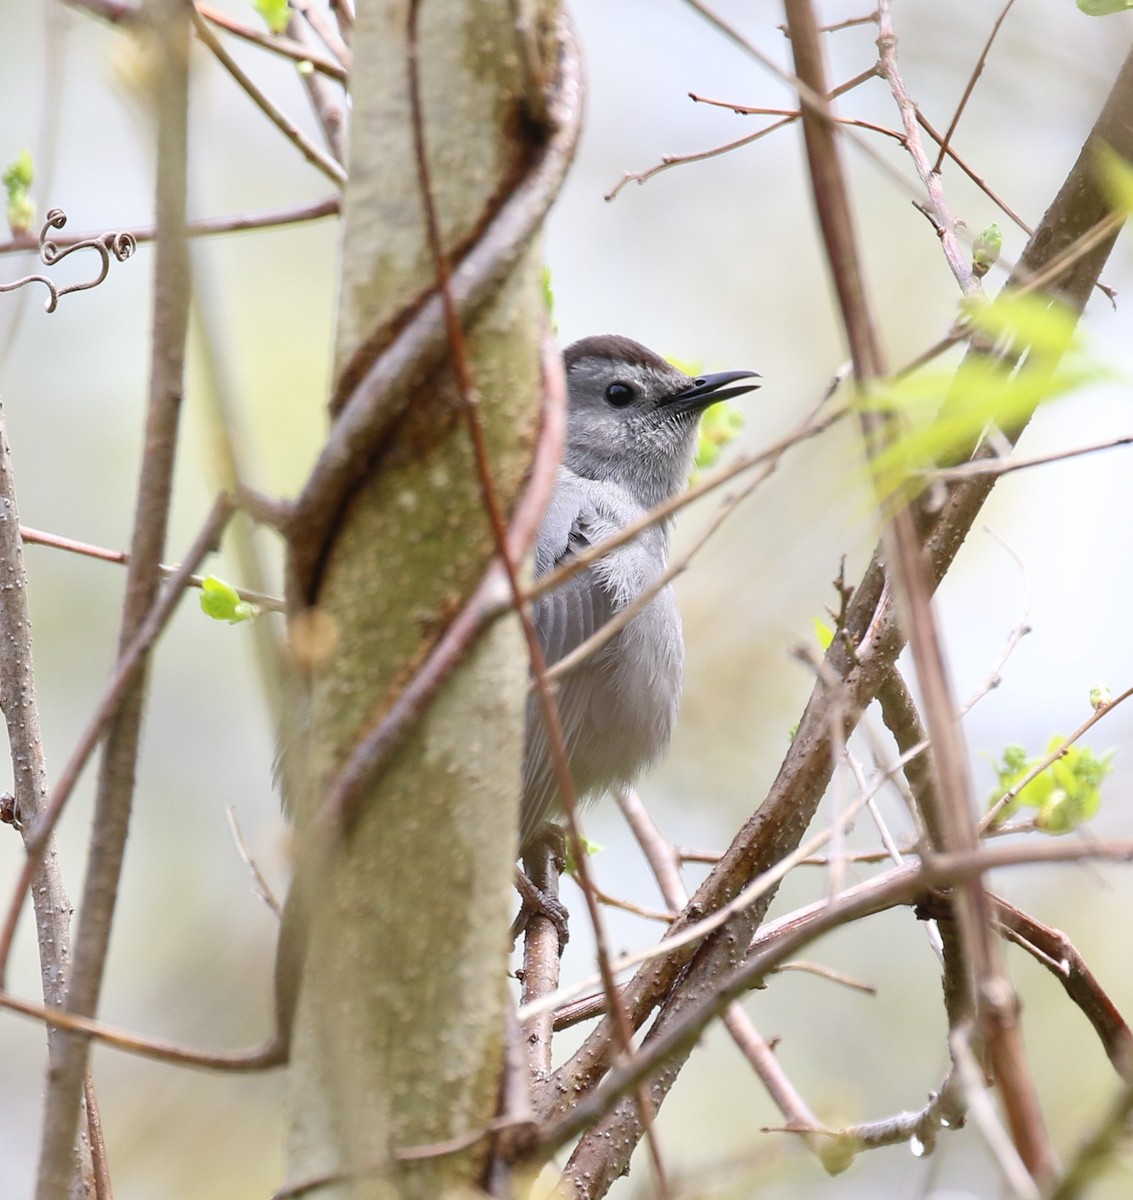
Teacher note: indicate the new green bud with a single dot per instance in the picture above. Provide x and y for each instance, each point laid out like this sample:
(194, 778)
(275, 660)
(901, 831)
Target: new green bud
(986, 250)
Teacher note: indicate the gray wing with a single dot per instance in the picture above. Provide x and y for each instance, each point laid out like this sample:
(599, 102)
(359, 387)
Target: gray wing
(564, 619)
(576, 609)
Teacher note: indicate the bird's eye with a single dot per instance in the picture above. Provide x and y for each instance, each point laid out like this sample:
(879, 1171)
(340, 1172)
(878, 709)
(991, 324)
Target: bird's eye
(619, 394)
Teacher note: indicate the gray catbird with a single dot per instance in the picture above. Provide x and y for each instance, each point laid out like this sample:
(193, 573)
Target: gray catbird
(631, 433)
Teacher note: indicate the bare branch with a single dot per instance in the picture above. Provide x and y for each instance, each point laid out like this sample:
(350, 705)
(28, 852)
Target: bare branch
(959, 261)
(114, 797)
(278, 44)
(900, 886)
(207, 227)
(56, 541)
(270, 1054)
(331, 169)
(977, 71)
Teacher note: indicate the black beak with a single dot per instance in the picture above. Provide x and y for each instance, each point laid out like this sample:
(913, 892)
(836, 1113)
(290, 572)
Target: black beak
(708, 389)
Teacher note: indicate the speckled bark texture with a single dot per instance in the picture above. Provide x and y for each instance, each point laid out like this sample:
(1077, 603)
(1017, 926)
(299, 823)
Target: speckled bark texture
(398, 1033)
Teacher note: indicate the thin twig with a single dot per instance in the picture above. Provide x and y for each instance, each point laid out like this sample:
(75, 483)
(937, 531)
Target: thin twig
(829, 974)
(38, 537)
(900, 886)
(329, 38)
(548, 704)
(275, 42)
(977, 71)
(115, 791)
(678, 160)
(207, 227)
(795, 114)
(316, 157)
(1005, 466)
(958, 259)
(262, 1058)
(1048, 760)
(131, 660)
(259, 884)
(838, 26)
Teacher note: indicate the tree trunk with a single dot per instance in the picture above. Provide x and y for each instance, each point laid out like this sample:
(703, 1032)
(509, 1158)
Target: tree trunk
(399, 1023)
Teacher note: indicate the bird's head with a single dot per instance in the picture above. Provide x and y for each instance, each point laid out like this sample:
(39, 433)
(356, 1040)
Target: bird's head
(633, 416)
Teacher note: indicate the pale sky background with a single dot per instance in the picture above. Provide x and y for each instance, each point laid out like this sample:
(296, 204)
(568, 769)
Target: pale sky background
(716, 262)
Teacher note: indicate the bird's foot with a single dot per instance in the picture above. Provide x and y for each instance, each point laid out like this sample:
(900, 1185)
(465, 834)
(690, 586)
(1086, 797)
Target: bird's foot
(538, 903)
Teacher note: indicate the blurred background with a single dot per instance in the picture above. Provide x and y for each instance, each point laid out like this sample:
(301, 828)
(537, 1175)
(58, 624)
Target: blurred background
(716, 263)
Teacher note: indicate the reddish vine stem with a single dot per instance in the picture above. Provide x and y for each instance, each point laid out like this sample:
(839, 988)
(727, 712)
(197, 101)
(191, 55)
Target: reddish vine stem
(548, 705)
(363, 411)
(486, 603)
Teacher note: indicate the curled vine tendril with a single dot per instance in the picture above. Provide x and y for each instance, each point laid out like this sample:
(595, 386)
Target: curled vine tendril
(120, 245)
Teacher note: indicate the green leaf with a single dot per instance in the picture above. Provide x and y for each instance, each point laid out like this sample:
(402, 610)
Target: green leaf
(276, 13)
(823, 632)
(1067, 793)
(222, 602)
(986, 249)
(590, 848)
(19, 172)
(1104, 8)
(941, 413)
(720, 425)
(1046, 327)
(17, 178)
